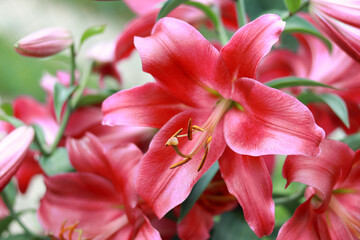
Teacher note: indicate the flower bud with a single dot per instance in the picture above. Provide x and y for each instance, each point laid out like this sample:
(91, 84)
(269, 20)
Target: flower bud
(44, 43)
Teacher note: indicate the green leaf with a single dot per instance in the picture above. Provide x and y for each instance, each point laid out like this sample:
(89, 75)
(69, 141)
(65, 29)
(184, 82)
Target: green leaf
(336, 104)
(93, 99)
(168, 7)
(207, 10)
(40, 138)
(294, 82)
(292, 5)
(61, 95)
(296, 24)
(56, 163)
(232, 225)
(10, 192)
(7, 109)
(198, 189)
(92, 31)
(25, 237)
(353, 141)
(4, 223)
(12, 120)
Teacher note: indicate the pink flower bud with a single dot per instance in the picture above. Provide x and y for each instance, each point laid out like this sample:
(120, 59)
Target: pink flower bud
(44, 43)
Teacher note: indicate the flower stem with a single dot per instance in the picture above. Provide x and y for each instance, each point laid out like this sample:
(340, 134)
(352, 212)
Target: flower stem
(241, 12)
(290, 198)
(304, 5)
(13, 213)
(68, 109)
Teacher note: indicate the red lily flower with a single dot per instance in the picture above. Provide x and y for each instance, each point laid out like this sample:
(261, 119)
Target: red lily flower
(211, 94)
(332, 208)
(103, 188)
(340, 21)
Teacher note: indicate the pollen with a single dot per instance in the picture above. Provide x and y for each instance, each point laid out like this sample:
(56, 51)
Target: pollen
(174, 142)
(71, 229)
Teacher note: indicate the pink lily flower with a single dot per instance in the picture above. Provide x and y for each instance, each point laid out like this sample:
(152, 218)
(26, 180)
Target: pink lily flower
(13, 148)
(314, 61)
(225, 114)
(331, 209)
(340, 21)
(103, 188)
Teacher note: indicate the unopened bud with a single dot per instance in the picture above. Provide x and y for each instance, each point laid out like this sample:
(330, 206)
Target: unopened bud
(44, 43)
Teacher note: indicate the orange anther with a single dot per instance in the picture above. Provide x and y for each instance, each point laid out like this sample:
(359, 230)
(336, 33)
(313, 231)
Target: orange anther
(178, 164)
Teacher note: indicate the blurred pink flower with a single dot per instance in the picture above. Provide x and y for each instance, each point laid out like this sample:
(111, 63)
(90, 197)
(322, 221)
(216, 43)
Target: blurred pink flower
(331, 209)
(103, 55)
(44, 43)
(314, 61)
(103, 188)
(340, 21)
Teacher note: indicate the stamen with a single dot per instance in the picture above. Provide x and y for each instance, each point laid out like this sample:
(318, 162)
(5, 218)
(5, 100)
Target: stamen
(189, 133)
(80, 234)
(178, 164)
(194, 127)
(72, 228)
(203, 159)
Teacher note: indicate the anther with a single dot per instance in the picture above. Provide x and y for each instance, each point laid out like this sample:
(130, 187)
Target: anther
(194, 127)
(208, 140)
(178, 164)
(189, 133)
(72, 228)
(203, 159)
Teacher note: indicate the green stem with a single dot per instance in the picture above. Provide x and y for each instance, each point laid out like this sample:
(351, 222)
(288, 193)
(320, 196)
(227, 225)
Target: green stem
(68, 109)
(304, 5)
(291, 198)
(72, 64)
(78, 93)
(223, 37)
(13, 213)
(241, 12)
(215, 17)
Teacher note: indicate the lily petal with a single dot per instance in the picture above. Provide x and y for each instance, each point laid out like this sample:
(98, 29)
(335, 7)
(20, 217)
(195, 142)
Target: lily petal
(140, 27)
(321, 172)
(87, 155)
(84, 198)
(32, 112)
(302, 225)
(164, 188)
(248, 179)
(271, 122)
(13, 149)
(196, 225)
(193, 77)
(148, 105)
(250, 44)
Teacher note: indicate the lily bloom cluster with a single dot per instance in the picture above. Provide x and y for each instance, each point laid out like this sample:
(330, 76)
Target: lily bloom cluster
(171, 158)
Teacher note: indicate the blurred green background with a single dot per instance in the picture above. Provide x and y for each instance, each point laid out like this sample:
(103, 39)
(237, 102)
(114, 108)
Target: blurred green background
(20, 75)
